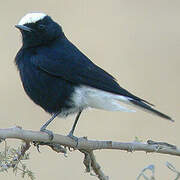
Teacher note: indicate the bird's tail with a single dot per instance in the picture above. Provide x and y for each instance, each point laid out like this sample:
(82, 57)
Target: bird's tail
(144, 105)
(148, 108)
(99, 99)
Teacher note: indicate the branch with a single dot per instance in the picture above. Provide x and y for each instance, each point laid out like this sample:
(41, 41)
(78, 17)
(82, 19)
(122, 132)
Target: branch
(89, 145)
(85, 146)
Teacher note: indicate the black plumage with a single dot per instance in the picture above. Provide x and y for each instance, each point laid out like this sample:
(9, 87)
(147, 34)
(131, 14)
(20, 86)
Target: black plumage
(51, 68)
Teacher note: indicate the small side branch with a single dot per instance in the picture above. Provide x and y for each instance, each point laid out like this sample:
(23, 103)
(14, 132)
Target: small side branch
(91, 163)
(97, 168)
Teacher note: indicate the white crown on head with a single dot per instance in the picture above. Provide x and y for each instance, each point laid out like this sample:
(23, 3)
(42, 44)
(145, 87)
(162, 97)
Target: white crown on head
(31, 18)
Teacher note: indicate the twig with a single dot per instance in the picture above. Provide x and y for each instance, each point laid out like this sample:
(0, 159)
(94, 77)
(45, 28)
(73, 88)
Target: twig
(172, 168)
(97, 168)
(24, 148)
(12, 158)
(91, 163)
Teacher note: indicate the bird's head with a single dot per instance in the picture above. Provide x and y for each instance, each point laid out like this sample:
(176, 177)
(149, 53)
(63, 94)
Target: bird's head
(38, 29)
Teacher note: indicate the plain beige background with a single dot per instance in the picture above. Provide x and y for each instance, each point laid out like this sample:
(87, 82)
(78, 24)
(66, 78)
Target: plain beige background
(138, 42)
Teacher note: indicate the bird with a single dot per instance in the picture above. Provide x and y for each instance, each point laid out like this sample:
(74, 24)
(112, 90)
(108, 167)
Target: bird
(62, 80)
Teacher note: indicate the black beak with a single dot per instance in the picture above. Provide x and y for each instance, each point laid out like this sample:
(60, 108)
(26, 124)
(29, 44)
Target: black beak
(24, 28)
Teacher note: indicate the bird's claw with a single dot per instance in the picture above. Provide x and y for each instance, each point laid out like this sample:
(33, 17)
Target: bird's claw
(70, 135)
(36, 144)
(48, 132)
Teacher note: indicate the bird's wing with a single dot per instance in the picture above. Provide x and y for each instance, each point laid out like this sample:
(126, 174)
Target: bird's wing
(70, 64)
(78, 69)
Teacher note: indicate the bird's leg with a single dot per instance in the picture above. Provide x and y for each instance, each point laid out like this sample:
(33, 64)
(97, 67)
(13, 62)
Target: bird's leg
(74, 126)
(43, 128)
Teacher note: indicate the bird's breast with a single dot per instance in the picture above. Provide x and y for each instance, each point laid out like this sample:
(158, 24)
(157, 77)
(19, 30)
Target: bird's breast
(51, 93)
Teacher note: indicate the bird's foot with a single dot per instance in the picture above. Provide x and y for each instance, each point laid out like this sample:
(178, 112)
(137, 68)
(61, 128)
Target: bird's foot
(73, 137)
(48, 132)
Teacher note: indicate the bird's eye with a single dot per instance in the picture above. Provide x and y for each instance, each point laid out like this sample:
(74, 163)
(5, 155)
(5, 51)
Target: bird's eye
(41, 26)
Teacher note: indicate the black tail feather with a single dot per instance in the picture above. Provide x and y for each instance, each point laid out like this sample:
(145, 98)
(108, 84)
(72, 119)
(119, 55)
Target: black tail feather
(150, 109)
(147, 102)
